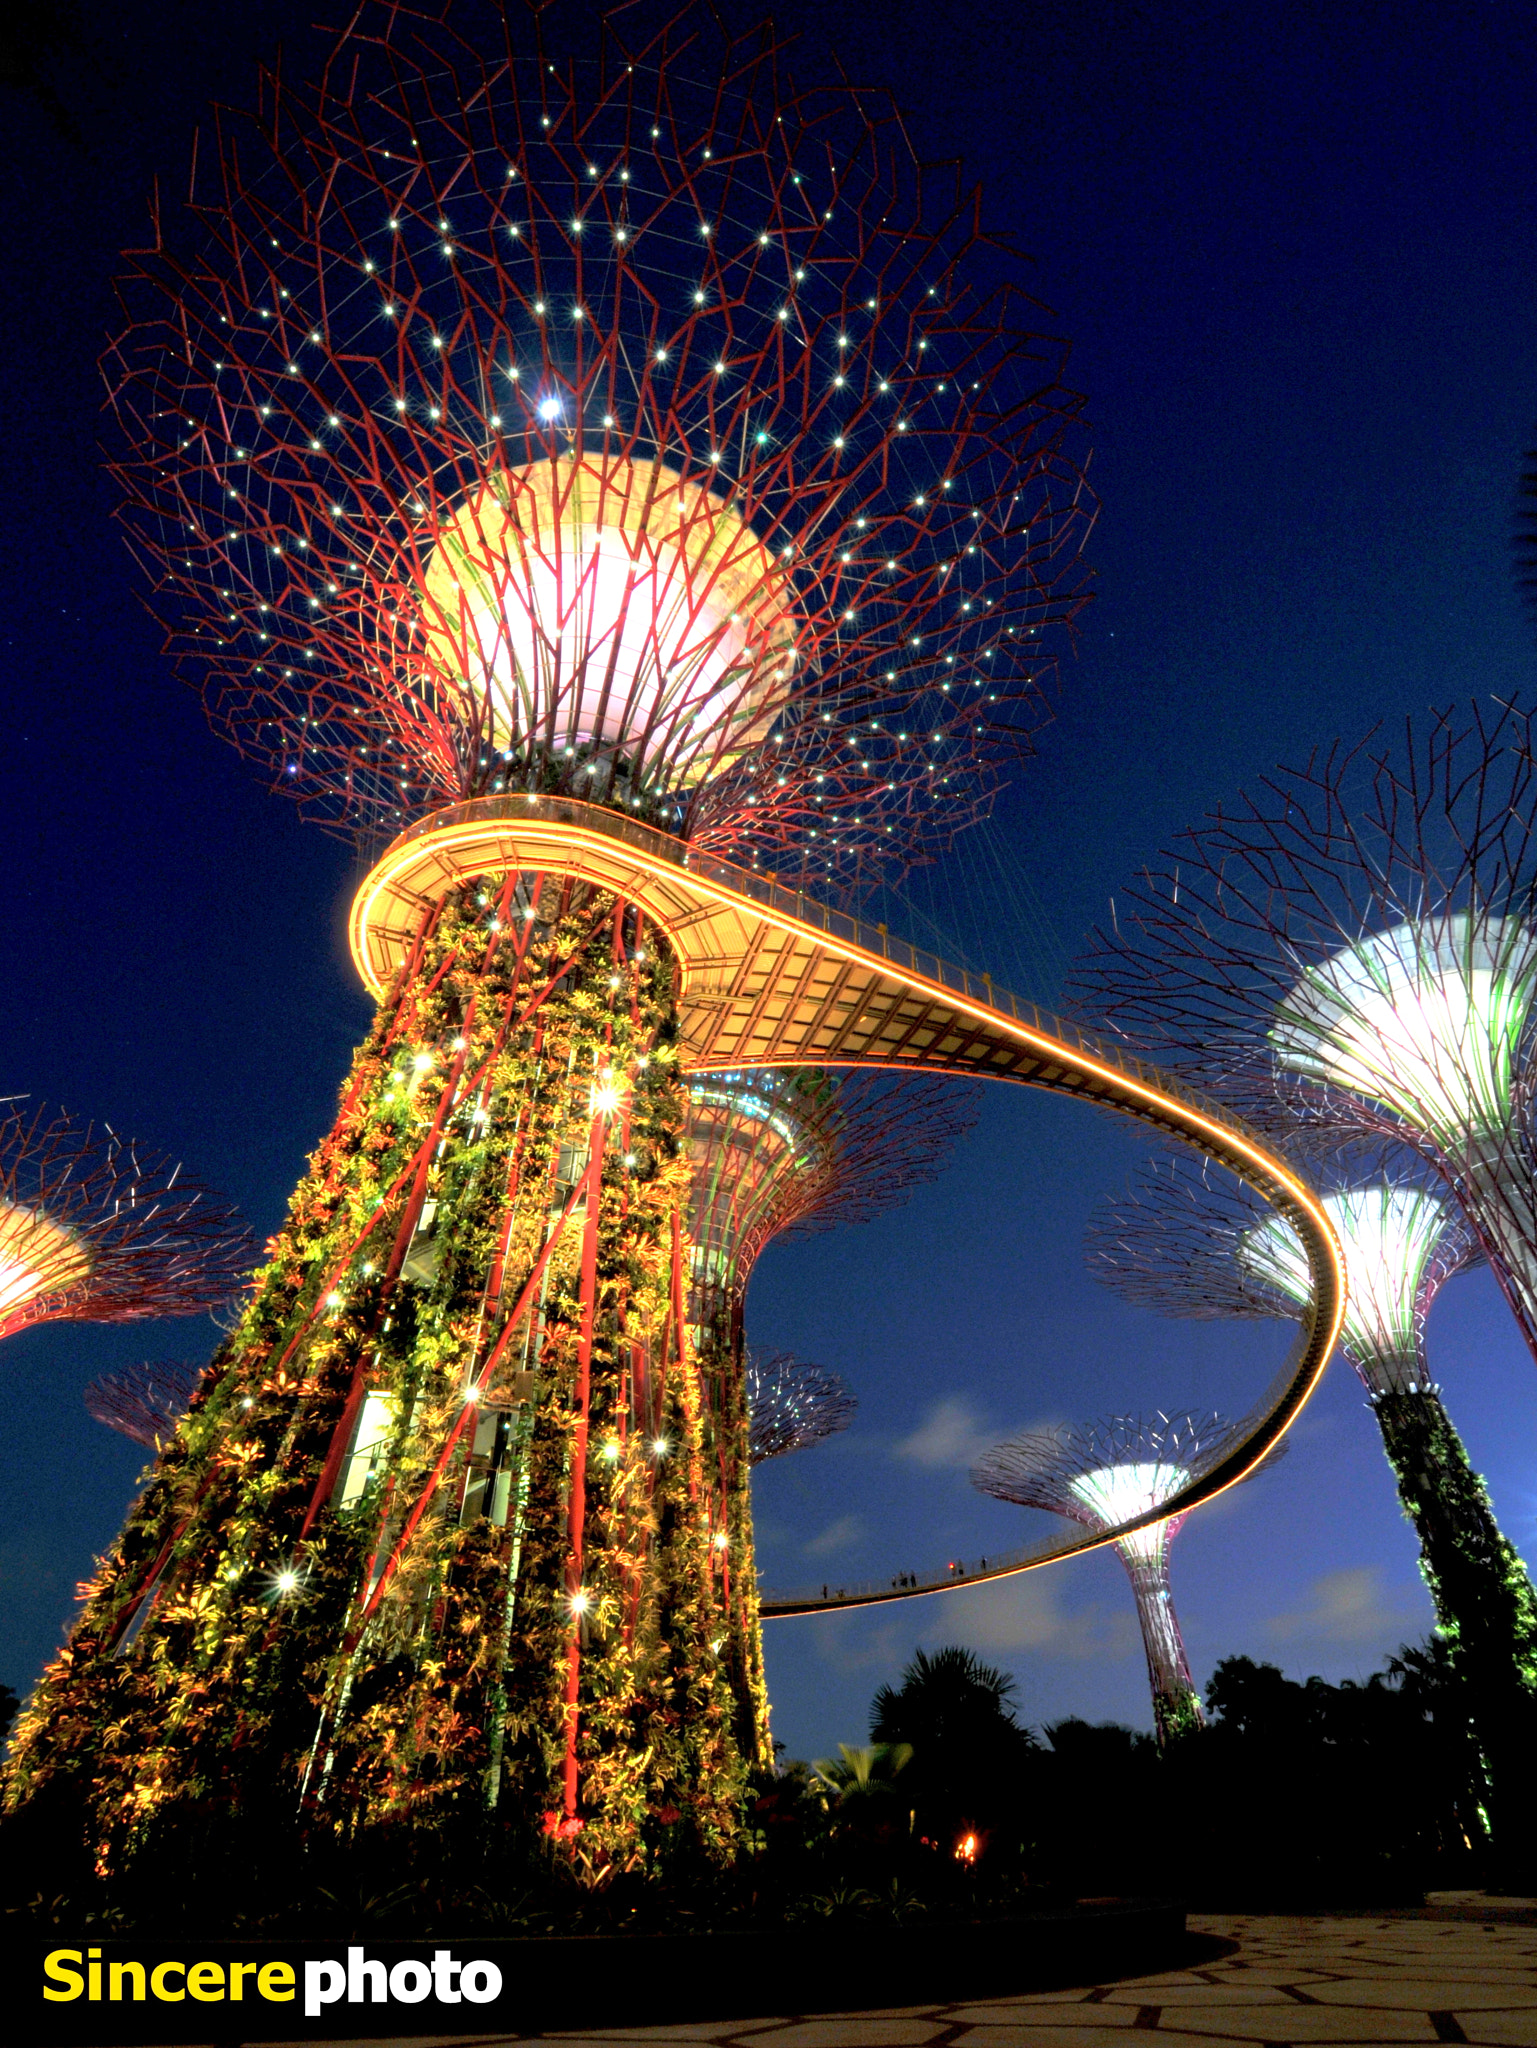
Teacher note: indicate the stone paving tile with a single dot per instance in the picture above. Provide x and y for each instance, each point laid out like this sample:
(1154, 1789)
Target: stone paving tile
(878, 2012)
(984, 2022)
(1067, 2035)
(1157, 1978)
(1238, 1970)
(859, 2032)
(1230, 1991)
(1005, 2012)
(1306, 2024)
(1444, 1969)
(414, 2041)
(693, 2030)
(1503, 2029)
(1429, 1994)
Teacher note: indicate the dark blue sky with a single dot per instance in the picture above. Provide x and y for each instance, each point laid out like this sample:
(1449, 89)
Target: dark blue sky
(1297, 255)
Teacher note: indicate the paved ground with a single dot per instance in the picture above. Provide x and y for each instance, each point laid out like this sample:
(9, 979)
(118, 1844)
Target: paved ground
(1288, 1983)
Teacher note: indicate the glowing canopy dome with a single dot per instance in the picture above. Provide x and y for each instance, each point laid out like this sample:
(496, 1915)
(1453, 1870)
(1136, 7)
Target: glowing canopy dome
(38, 1257)
(613, 605)
(507, 408)
(1112, 1494)
(1426, 1018)
(1389, 1236)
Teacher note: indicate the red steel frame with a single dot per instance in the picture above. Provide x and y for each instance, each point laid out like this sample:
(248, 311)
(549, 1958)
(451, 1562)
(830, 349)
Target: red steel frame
(437, 265)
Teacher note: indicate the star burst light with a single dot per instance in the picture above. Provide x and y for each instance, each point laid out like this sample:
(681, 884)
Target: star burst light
(654, 447)
(94, 1228)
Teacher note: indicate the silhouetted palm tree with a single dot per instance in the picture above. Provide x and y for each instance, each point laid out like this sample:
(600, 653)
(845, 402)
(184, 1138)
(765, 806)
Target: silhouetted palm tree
(970, 1755)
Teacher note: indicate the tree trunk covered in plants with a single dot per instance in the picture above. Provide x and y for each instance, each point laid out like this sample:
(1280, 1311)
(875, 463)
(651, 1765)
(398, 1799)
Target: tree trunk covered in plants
(1485, 1605)
(437, 1546)
(720, 1346)
(1176, 1703)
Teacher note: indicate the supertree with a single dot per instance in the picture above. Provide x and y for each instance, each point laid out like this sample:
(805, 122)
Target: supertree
(1100, 1477)
(781, 1153)
(1189, 1242)
(144, 1402)
(502, 429)
(1353, 945)
(792, 1405)
(97, 1229)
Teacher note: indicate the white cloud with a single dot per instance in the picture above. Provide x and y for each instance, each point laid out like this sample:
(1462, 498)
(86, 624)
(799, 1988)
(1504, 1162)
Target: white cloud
(952, 1434)
(840, 1535)
(1027, 1613)
(1349, 1610)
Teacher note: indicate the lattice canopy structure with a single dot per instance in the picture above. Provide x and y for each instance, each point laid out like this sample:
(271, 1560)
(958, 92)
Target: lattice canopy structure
(515, 423)
(792, 1150)
(792, 1405)
(1102, 1476)
(95, 1228)
(1187, 1240)
(145, 1402)
(1180, 1241)
(1354, 945)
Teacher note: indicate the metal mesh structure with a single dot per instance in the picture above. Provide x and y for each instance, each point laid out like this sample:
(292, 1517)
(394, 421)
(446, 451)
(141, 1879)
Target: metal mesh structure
(96, 1229)
(144, 1402)
(1100, 1476)
(792, 1405)
(1188, 1240)
(500, 422)
(789, 1151)
(1354, 945)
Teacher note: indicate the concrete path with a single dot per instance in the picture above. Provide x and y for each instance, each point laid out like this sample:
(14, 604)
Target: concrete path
(1451, 1974)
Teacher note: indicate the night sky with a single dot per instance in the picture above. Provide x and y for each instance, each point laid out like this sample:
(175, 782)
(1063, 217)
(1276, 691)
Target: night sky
(1296, 252)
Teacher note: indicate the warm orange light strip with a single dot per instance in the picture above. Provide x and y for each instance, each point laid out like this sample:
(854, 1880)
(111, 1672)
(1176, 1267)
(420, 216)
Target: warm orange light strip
(1219, 1140)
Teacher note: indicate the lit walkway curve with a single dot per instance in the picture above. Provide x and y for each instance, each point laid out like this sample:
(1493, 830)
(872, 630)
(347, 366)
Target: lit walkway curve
(773, 978)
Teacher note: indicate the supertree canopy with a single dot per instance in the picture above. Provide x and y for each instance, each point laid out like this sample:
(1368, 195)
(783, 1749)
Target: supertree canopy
(1182, 1241)
(1187, 1240)
(1354, 945)
(500, 428)
(145, 1402)
(629, 428)
(96, 1229)
(792, 1405)
(1101, 1477)
(784, 1152)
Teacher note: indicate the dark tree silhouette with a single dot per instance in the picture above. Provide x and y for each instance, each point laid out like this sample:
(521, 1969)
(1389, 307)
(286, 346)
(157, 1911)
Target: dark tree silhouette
(969, 1752)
